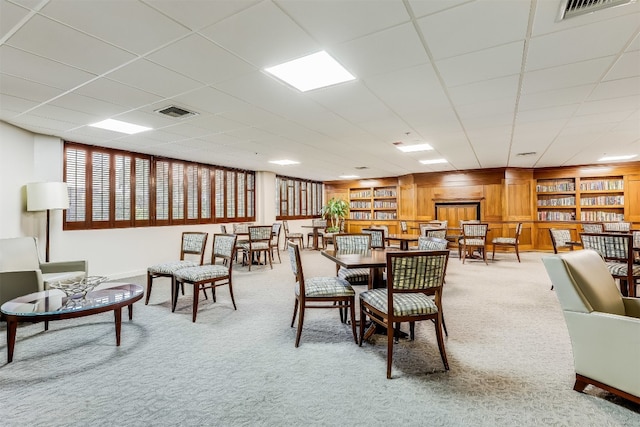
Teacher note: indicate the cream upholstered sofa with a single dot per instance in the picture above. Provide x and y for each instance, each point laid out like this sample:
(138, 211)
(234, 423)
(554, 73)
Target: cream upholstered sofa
(603, 325)
(21, 271)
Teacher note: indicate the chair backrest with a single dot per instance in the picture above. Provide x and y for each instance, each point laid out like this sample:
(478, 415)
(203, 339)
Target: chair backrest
(474, 230)
(296, 265)
(352, 242)
(223, 228)
(636, 239)
(432, 244)
(617, 227)
(559, 238)
(415, 271)
(593, 228)
(440, 233)
(610, 246)
(241, 228)
(583, 283)
(377, 237)
(319, 222)
(275, 233)
(518, 231)
(193, 243)
(403, 227)
(431, 225)
(285, 225)
(224, 246)
(19, 254)
(260, 233)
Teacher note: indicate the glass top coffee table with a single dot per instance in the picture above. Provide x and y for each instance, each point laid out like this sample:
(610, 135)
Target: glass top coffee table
(55, 305)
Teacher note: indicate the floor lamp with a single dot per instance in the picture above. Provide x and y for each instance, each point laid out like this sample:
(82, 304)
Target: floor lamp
(45, 196)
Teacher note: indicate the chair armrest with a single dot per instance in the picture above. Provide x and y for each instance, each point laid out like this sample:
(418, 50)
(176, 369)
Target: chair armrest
(63, 266)
(632, 306)
(15, 284)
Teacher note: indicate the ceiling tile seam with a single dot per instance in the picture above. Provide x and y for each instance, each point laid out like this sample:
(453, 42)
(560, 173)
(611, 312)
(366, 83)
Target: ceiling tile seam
(523, 66)
(445, 9)
(443, 86)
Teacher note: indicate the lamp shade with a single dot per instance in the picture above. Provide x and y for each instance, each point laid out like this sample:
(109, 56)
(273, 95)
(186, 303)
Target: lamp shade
(42, 196)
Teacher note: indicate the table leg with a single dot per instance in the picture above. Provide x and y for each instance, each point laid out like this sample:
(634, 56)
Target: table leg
(118, 315)
(130, 308)
(404, 245)
(315, 239)
(12, 327)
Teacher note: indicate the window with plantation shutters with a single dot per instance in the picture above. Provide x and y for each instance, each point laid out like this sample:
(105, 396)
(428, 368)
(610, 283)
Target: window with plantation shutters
(100, 188)
(205, 193)
(231, 194)
(220, 195)
(297, 198)
(193, 209)
(114, 188)
(162, 191)
(122, 188)
(76, 179)
(143, 189)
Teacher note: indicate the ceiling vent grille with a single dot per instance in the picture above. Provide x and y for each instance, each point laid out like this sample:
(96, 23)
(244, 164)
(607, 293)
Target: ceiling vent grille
(571, 8)
(176, 112)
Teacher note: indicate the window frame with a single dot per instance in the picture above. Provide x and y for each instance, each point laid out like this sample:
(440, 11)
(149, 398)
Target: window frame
(298, 198)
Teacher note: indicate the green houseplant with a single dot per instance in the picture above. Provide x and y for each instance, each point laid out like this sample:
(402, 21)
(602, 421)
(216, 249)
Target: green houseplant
(335, 209)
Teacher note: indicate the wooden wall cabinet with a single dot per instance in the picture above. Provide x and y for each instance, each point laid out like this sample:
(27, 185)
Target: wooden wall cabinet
(374, 203)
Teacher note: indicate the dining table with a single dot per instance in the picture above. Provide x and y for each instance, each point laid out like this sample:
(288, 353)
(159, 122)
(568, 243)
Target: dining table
(316, 229)
(373, 259)
(403, 239)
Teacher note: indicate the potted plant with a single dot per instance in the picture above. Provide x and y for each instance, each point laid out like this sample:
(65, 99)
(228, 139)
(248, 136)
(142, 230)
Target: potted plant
(335, 210)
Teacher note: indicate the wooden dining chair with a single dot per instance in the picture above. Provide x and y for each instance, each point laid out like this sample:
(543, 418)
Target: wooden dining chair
(274, 244)
(209, 276)
(353, 243)
(412, 278)
(319, 292)
(474, 237)
(259, 242)
(617, 251)
(377, 237)
(192, 246)
(508, 242)
(288, 236)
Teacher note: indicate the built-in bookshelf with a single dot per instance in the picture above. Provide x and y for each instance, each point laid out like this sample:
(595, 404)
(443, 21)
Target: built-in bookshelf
(377, 203)
(586, 199)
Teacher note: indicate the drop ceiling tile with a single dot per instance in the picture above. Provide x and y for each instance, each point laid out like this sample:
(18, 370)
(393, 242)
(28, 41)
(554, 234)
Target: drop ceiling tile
(262, 35)
(41, 70)
(78, 118)
(382, 52)
(332, 22)
(21, 88)
(58, 42)
(627, 103)
(153, 78)
(132, 26)
(354, 102)
(117, 93)
(422, 8)
(486, 109)
(628, 65)
(488, 121)
(487, 64)
(12, 106)
(200, 59)
(554, 98)
(207, 99)
(195, 14)
(581, 43)
(565, 76)
(611, 119)
(543, 114)
(215, 123)
(617, 89)
(475, 26)
(486, 90)
(99, 108)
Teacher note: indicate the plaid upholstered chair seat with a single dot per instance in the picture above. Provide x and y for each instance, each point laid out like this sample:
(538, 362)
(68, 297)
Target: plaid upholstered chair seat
(326, 287)
(505, 240)
(619, 269)
(354, 275)
(403, 304)
(171, 267)
(257, 245)
(473, 242)
(198, 273)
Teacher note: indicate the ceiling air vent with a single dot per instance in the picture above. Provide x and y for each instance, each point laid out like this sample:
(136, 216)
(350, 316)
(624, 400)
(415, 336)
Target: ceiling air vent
(177, 112)
(571, 8)
(361, 167)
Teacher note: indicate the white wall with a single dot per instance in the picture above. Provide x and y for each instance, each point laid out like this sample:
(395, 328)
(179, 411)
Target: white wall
(116, 253)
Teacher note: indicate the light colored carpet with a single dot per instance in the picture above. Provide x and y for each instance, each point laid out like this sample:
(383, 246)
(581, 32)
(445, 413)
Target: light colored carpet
(508, 349)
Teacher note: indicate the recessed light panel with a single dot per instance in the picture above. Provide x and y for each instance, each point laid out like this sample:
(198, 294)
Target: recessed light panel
(616, 158)
(433, 161)
(118, 126)
(349, 176)
(311, 72)
(284, 162)
(414, 148)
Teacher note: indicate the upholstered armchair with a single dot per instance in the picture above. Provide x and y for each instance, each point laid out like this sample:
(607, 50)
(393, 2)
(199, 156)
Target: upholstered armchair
(604, 326)
(21, 271)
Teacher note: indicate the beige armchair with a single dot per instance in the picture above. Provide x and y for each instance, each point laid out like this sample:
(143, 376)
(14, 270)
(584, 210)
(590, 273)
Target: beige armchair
(21, 271)
(604, 326)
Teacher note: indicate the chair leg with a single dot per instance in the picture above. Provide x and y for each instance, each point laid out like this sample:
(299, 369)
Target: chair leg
(196, 294)
(412, 331)
(268, 255)
(174, 294)
(352, 308)
(149, 283)
(517, 253)
(233, 301)
(390, 339)
(493, 256)
(300, 322)
(443, 353)
(295, 311)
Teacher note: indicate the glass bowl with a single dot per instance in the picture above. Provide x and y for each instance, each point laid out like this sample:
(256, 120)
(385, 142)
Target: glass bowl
(78, 287)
